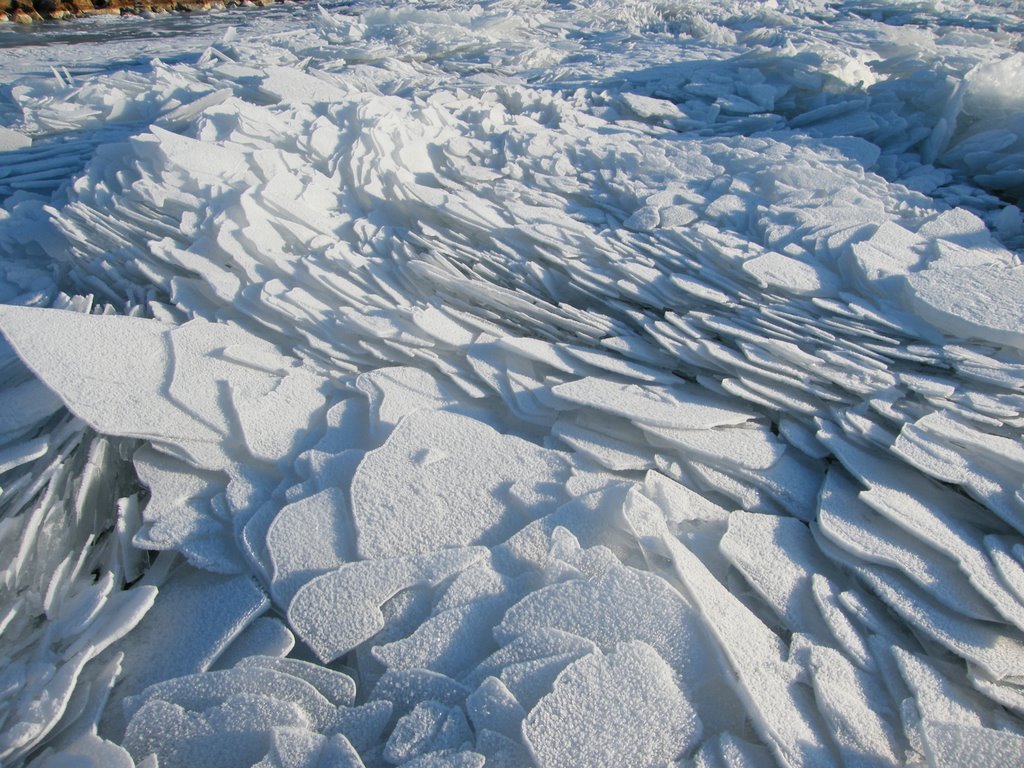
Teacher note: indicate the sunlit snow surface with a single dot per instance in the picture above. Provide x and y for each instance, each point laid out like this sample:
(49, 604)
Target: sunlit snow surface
(519, 383)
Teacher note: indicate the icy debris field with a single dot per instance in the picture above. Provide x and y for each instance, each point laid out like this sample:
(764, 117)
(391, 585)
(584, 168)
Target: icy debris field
(514, 384)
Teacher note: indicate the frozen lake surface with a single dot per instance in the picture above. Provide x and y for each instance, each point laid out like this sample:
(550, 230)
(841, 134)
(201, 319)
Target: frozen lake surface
(515, 383)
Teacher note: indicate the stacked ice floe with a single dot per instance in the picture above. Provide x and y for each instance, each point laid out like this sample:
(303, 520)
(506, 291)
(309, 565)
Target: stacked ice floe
(519, 384)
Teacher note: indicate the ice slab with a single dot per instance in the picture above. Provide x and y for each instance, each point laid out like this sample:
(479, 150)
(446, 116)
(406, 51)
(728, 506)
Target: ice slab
(179, 514)
(854, 704)
(405, 688)
(149, 380)
(396, 392)
(308, 538)
(405, 194)
(429, 727)
(266, 636)
(87, 751)
(753, 664)
(452, 641)
(953, 744)
(976, 303)
(493, 707)
(680, 407)
(12, 140)
(336, 612)
(443, 480)
(237, 729)
(995, 648)
(616, 607)
(622, 706)
(777, 272)
(778, 557)
(851, 524)
(751, 448)
(108, 347)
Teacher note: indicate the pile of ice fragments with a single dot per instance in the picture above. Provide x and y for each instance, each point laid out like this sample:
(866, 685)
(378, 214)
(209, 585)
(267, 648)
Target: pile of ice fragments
(521, 384)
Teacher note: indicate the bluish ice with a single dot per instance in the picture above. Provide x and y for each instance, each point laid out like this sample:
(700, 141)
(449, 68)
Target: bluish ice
(514, 383)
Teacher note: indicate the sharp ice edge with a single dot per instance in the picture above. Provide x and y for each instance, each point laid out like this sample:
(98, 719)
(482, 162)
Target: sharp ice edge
(515, 383)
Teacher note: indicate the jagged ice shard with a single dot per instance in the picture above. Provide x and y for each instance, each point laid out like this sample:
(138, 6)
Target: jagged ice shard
(518, 383)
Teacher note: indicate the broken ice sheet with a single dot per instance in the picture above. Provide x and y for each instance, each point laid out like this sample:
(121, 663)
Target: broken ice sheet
(953, 744)
(444, 480)
(752, 447)
(621, 605)
(429, 727)
(502, 170)
(845, 520)
(149, 380)
(452, 641)
(179, 513)
(679, 407)
(337, 611)
(213, 609)
(307, 538)
(619, 707)
(972, 302)
(108, 348)
(393, 393)
(777, 556)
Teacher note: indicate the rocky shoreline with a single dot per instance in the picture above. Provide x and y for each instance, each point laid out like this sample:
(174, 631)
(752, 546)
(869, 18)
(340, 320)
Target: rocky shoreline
(30, 11)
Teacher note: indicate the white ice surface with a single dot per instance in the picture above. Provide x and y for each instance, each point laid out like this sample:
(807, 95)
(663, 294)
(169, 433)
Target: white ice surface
(510, 383)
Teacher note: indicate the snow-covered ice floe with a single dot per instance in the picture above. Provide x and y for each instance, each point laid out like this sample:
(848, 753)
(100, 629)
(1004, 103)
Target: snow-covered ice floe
(515, 383)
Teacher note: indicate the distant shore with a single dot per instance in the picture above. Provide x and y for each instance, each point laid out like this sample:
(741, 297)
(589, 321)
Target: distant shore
(31, 11)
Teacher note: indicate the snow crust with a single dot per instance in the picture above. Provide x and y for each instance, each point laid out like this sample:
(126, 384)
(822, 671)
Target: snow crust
(514, 383)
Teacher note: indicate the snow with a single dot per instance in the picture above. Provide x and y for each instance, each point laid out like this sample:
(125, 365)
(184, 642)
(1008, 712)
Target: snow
(582, 720)
(513, 383)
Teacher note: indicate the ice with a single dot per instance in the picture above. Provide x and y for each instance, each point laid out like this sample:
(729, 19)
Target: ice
(975, 303)
(936, 697)
(430, 727)
(182, 718)
(361, 588)
(994, 648)
(616, 607)
(455, 476)
(677, 407)
(499, 750)
(950, 744)
(778, 272)
(211, 611)
(337, 687)
(13, 140)
(265, 636)
(726, 448)
(104, 398)
(442, 385)
(220, 735)
(854, 704)
(850, 524)
(587, 518)
(778, 557)
(297, 748)
(607, 450)
(752, 662)
(179, 513)
(493, 707)
(404, 688)
(452, 641)
(728, 751)
(535, 644)
(160, 359)
(395, 392)
(582, 719)
(308, 538)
